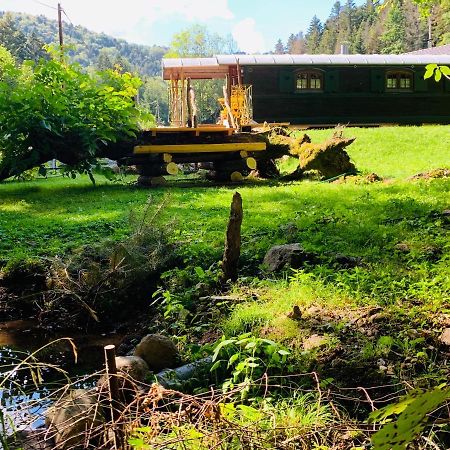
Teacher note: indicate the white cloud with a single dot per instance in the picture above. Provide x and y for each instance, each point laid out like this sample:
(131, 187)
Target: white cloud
(249, 39)
(119, 17)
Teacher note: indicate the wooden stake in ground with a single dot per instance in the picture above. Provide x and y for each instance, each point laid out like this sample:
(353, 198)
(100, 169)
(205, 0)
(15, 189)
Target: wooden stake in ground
(113, 384)
(233, 241)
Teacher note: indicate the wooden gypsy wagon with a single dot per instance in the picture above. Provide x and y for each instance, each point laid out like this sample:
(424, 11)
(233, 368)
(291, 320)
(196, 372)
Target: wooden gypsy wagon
(302, 90)
(328, 89)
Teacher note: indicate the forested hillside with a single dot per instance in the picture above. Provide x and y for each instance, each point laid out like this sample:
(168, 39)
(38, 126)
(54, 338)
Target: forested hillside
(397, 28)
(24, 31)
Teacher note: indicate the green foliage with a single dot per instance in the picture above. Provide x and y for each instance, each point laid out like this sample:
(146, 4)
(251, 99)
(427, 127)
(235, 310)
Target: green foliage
(313, 35)
(153, 97)
(247, 358)
(7, 62)
(413, 410)
(55, 110)
(198, 41)
(437, 71)
(395, 28)
(374, 27)
(179, 296)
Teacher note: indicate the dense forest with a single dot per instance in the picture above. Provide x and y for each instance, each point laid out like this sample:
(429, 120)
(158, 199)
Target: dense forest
(399, 27)
(24, 35)
(86, 47)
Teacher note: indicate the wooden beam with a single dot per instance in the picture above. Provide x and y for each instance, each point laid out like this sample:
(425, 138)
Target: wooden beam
(201, 148)
(198, 130)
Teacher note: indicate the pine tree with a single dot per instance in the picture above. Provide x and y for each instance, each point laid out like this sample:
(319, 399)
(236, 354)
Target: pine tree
(416, 28)
(328, 41)
(393, 38)
(290, 43)
(357, 45)
(336, 11)
(279, 48)
(313, 36)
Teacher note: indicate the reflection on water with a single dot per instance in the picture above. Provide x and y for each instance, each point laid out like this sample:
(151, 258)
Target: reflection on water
(26, 390)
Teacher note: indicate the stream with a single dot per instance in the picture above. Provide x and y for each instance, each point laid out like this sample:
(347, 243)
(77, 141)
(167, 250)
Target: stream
(23, 401)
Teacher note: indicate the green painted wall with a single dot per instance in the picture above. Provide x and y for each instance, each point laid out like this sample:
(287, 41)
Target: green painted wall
(350, 95)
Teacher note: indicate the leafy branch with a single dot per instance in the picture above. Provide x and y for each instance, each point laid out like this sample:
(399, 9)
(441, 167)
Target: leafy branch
(437, 71)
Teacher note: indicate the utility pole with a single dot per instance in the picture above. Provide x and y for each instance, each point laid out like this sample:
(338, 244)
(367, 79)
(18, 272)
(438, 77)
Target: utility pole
(61, 51)
(430, 35)
(60, 27)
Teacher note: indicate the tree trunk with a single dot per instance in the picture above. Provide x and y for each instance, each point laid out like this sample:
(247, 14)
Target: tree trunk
(233, 241)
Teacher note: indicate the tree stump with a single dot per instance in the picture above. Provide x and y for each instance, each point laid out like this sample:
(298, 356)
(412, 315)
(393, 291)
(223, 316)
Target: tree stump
(233, 241)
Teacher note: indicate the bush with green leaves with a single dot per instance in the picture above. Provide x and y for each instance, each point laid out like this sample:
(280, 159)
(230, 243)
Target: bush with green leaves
(248, 358)
(55, 110)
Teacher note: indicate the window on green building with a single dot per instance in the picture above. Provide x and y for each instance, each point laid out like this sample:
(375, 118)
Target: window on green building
(309, 80)
(399, 80)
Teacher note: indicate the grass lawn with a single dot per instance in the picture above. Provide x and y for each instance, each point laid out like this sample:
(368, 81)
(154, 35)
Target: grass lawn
(397, 152)
(55, 216)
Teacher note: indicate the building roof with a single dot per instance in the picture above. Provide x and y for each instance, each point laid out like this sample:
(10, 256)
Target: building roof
(217, 66)
(439, 50)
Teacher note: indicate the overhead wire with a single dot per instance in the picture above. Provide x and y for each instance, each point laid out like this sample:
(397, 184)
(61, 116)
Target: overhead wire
(45, 4)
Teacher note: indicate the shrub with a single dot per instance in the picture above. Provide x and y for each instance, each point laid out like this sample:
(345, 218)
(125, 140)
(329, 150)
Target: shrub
(54, 110)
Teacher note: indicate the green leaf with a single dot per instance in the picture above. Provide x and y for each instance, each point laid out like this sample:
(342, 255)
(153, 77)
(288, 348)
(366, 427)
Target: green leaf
(144, 429)
(250, 413)
(220, 346)
(428, 74)
(216, 365)
(397, 435)
(445, 70)
(233, 359)
(253, 365)
(284, 352)
(437, 75)
(199, 272)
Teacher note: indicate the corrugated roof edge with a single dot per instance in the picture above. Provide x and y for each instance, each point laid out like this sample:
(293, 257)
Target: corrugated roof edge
(304, 59)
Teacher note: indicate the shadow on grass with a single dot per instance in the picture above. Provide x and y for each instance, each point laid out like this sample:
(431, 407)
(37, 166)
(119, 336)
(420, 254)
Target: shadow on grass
(360, 220)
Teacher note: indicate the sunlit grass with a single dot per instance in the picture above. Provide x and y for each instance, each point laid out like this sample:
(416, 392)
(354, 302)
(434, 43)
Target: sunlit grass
(397, 152)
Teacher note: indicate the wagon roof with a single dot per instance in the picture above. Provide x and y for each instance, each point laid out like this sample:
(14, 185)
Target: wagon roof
(217, 66)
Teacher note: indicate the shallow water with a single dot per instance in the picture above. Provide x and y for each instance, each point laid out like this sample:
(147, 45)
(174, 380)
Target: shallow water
(24, 401)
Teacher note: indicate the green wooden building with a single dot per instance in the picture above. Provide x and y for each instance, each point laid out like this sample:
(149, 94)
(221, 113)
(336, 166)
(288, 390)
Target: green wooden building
(330, 89)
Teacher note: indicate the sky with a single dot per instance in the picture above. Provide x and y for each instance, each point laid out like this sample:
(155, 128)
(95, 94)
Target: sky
(255, 25)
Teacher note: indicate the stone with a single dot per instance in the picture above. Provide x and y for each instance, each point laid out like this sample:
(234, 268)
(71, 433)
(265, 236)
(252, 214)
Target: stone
(134, 366)
(291, 255)
(346, 262)
(315, 341)
(445, 337)
(131, 370)
(158, 351)
(72, 417)
(29, 440)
